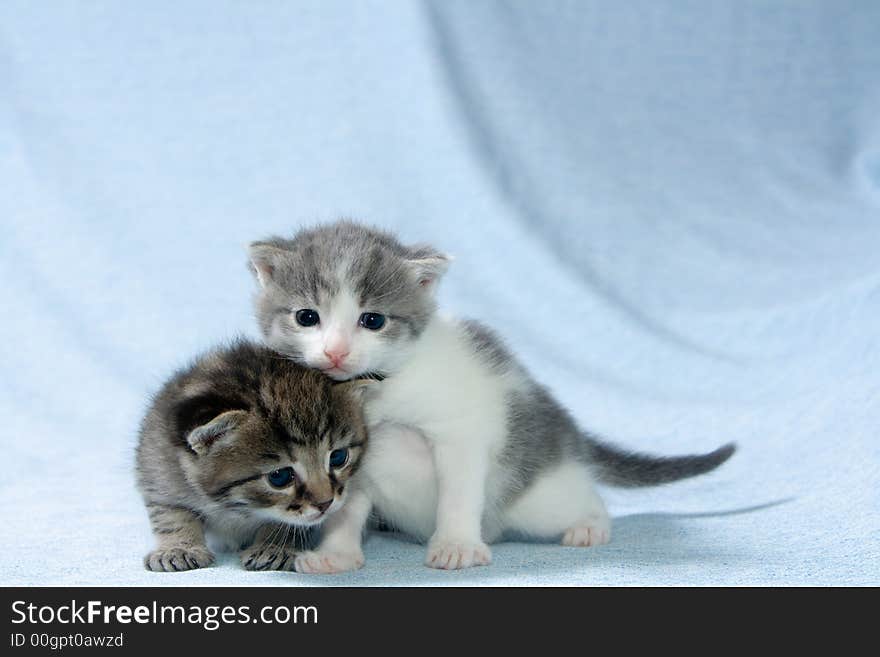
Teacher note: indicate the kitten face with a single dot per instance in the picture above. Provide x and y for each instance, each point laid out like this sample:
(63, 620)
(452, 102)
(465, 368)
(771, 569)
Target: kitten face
(343, 298)
(285, 454)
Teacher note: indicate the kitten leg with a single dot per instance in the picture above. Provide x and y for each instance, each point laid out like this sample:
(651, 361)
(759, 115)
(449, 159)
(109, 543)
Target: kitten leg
(592, 524)
(273, 548)
(340, 548)
(457, 541)
(561, 502)
(181, 538)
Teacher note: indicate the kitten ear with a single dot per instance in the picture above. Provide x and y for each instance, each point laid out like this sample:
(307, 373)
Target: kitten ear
(356, 389)
(429, 266)
(264, 260)
(204, 436)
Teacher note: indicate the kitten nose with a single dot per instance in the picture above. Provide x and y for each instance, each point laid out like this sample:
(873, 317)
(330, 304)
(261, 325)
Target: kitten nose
(323, 506)
(336, 356)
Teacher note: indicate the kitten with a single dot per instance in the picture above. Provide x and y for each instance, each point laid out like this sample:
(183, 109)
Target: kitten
(464, 444)
(251, 447)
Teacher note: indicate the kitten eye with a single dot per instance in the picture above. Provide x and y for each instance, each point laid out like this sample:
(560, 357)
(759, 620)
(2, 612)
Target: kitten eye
(307, 317)
(372, 321)
(280, 478)
(338, 458)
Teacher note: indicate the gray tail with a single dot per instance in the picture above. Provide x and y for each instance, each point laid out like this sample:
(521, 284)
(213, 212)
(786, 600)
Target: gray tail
(617, 467)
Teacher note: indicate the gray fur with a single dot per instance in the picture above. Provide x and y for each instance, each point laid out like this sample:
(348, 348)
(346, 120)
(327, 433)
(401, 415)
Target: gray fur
(489, 346)
(541, 433)
(616, 467)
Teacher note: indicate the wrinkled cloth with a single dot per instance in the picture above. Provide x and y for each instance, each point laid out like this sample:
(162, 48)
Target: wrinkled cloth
(670, 210)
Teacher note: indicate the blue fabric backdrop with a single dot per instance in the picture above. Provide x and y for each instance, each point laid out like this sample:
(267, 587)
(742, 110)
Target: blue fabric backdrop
(670, 209)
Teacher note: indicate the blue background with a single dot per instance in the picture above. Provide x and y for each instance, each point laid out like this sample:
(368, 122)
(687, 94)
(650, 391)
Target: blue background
(670, 209)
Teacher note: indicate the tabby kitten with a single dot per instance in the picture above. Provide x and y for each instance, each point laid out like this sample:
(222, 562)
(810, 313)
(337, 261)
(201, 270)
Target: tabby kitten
(251, 447)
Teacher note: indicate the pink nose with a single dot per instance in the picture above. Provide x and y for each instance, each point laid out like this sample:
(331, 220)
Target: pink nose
(336, 356)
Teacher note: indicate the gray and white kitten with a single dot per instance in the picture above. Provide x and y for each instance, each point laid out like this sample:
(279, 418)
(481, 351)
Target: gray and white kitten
(464, 443)
(251, 447)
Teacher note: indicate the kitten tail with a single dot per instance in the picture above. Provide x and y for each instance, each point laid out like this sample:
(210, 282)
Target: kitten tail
(617, 467)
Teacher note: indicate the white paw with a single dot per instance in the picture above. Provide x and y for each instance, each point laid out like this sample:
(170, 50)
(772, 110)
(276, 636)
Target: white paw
(452, 555)
(321, 562)
(598, 533)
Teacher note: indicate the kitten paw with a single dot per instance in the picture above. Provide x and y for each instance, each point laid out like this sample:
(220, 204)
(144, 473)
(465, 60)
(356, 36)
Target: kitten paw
(177, 559)
(587, 535)
(320, 562)
(268, 557)
(453, 555)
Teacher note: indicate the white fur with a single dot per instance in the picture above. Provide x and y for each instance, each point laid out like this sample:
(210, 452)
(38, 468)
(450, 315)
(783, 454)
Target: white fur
(436, 428)
(341, 545)
(561, 499)
(398, 471)
(337, 331)
(458, 405)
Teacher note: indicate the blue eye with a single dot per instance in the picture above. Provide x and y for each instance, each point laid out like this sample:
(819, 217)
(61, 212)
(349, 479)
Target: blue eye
(372, 321)
(338, 458)
(280, 478)
(307, 317)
